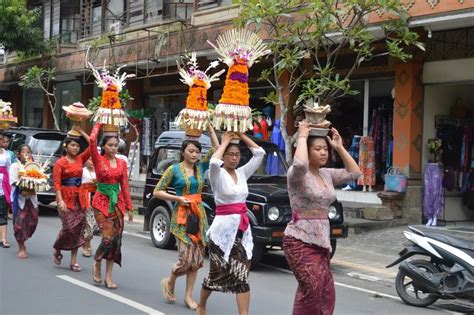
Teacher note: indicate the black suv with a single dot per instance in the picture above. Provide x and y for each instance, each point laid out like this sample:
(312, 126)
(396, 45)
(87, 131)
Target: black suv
(268, 202)
(44, 143)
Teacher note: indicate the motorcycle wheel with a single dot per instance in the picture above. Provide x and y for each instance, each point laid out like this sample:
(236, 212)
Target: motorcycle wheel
(408, 293)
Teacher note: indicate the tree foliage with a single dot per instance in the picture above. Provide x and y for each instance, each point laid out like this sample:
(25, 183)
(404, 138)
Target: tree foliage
(319, 33)
(37, 77)
(19, 30)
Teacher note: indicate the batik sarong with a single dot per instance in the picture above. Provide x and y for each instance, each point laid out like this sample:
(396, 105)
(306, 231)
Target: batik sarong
(315, 294)
(111, 229)
(25, 222)
(190, 258)
(73, 221)
(91, 225)
(231, 276)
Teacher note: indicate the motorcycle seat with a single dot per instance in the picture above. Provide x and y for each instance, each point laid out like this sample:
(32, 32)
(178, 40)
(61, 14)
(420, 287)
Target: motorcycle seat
(453, 241)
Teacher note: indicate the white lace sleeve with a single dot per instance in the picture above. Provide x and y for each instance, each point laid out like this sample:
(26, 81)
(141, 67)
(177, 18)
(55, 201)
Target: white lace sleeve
(215, 172)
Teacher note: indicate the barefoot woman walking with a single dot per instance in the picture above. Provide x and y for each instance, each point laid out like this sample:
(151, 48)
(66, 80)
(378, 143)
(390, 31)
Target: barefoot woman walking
(110, 202)
(306, 242)
(230, 244)
(24, 204)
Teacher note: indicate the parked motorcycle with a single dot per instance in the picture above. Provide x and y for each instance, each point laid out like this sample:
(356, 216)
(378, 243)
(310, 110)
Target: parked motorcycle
(448, 273)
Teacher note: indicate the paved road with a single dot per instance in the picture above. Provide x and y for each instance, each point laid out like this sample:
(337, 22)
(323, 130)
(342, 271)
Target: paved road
(36, 286)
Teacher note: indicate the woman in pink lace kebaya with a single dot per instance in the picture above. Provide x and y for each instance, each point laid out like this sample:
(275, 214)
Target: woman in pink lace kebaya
(306, 243)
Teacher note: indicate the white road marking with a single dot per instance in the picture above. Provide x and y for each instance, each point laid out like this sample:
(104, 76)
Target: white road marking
(362, 276)
(348, 286)
(110, 295)
(137, 235)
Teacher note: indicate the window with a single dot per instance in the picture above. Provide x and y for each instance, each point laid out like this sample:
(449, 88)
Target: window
(167, 108)
(66, 93)
(47, 19)
(33, 100)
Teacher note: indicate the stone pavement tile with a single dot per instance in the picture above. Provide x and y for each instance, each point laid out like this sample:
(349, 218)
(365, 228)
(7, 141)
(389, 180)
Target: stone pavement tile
(371, 251)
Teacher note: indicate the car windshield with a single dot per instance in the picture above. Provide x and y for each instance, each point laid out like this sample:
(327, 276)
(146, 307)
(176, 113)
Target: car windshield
(44, 146)
(272, 164)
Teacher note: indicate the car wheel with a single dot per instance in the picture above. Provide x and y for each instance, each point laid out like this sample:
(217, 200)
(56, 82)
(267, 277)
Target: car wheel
(257, 254)
(333, 247)
(160, 228)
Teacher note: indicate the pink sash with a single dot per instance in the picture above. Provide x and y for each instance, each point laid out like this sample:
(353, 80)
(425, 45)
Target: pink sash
(235, 208)
(7, 189)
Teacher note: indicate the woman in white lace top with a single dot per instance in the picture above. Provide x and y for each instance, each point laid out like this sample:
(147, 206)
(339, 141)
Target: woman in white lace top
(230, 236)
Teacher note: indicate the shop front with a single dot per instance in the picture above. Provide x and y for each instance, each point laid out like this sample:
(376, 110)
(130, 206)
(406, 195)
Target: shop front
(448, 127)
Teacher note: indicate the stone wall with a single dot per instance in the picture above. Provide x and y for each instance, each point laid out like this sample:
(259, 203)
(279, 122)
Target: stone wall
(413, 203)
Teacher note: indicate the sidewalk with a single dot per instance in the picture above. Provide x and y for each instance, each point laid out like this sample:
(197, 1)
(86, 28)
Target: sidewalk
(368, 253)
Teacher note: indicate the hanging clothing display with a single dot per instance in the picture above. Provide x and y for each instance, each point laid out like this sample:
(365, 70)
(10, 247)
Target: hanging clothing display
(148, 139)
(354, 152)
(367, 162)
(457, 151)
(381, 132)
(433, 197)
(260, 130)
(274, 166)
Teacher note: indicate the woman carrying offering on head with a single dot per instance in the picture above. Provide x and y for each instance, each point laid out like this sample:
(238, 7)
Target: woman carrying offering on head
(187, 178)
(71, 199)
(230, 237)
(306, 242)
(110, 202)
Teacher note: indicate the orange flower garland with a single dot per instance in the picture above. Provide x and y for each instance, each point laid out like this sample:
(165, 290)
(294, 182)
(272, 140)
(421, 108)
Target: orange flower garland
(110, 98)
(239, 50)
(35, 174)
(197, 97)
(236, 92)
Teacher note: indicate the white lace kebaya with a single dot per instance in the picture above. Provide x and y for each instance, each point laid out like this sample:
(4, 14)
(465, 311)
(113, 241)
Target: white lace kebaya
(223, 229)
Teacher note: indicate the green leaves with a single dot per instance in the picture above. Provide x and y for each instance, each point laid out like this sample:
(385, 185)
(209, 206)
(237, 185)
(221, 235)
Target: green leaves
(320, 31)
(37, 77)
(20, 30)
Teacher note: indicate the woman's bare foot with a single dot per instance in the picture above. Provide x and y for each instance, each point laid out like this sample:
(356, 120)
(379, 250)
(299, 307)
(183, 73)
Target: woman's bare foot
(190, 303)
(22, 254)
(200, 310)
(96, 277)
(109, 284)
